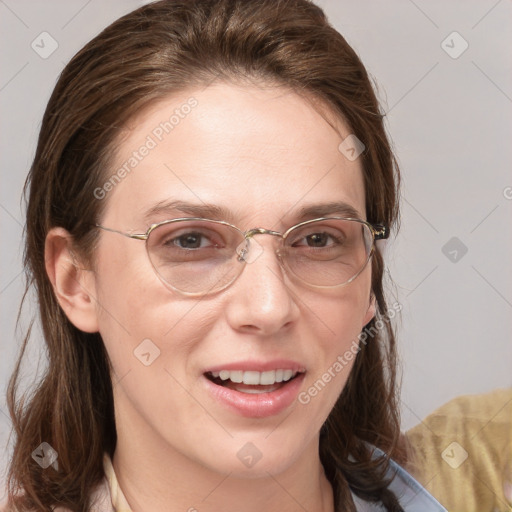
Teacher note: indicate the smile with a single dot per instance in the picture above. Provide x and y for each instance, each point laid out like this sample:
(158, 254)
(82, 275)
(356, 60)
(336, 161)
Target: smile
(255, 394)
(255, 378)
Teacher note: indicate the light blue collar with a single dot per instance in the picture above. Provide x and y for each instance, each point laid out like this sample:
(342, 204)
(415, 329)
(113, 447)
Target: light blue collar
(412, 496)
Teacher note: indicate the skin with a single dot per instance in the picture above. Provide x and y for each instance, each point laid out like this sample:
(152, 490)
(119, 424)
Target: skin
(262, 152)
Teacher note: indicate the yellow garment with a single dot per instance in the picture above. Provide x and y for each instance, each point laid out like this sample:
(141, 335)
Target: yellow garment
(479, 426)
(462, 453)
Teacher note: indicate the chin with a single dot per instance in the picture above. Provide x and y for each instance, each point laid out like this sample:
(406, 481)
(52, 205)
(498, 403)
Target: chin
(255, 460)
(260, 469)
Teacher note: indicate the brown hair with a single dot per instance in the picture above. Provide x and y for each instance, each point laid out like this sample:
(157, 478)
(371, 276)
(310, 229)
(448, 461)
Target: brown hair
(148, 54)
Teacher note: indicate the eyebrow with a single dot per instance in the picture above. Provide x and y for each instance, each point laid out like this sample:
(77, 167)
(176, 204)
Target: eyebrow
(207, 211)
(323, 209)
(216, 212)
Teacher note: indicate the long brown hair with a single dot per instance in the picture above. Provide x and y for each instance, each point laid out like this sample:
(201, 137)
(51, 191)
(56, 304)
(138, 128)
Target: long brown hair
(148, 54)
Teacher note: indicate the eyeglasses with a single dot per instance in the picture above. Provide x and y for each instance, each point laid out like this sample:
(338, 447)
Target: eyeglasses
(196, 256)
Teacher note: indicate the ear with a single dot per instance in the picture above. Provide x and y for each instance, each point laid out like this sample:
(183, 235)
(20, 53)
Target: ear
(370, 313)
(73, 285)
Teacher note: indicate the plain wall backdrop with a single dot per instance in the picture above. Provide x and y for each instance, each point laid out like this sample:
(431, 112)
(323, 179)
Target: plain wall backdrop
(444, 74)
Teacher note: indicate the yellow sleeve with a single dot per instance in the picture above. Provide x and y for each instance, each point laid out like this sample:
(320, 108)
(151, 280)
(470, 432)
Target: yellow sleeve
(462, 453)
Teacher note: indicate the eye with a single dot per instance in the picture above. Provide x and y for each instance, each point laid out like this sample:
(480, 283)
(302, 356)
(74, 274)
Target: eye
(319, 240)
(318, 237)
(183, 237)
(190, 240)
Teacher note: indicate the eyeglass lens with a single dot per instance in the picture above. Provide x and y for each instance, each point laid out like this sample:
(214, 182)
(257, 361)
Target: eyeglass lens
(195, 256)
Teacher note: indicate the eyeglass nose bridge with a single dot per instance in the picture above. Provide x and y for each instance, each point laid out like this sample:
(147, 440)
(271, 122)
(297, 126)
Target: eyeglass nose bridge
(261, 231)
(250, 234)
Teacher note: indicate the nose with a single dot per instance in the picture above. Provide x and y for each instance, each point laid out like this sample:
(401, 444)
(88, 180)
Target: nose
(261, 300)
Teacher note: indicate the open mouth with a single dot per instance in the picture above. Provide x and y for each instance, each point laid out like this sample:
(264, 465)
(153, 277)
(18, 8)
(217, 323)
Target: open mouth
(253, 381)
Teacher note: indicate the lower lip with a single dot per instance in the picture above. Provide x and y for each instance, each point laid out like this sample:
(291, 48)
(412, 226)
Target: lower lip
(260, 405)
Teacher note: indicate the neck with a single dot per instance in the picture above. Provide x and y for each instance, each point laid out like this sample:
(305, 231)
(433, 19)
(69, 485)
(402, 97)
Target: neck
(156, 476)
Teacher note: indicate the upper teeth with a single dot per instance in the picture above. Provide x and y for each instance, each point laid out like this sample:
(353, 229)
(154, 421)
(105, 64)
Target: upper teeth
(256, 378)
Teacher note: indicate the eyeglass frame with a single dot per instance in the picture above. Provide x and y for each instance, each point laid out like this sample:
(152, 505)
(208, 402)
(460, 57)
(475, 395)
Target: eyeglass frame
(378, 231)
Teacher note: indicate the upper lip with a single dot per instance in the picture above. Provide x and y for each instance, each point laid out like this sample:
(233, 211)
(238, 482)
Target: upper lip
(258, 366)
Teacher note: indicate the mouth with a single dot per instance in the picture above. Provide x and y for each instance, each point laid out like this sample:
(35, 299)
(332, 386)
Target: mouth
(253, 382)
(255, 394)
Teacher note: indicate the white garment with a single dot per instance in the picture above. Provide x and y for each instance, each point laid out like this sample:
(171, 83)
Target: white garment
(108, 496)
(412, 496)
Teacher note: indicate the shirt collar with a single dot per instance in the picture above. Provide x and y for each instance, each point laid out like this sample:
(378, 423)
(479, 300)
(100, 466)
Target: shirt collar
(116, 494)
(410, 493)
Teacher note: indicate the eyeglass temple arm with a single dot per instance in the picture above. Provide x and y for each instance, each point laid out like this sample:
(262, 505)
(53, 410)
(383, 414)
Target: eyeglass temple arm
(137, 236)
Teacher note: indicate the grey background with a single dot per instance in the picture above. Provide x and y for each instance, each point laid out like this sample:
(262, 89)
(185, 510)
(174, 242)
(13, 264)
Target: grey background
(450, 121)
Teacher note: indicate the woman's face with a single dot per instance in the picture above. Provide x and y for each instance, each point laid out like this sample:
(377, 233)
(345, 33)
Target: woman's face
(261, 155)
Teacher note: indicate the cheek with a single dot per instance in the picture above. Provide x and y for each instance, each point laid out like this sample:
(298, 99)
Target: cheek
(126, 283)
(338, 321)
(127, 305)
(343, 313)
(150, 335)
(340, 343)
(138, 315)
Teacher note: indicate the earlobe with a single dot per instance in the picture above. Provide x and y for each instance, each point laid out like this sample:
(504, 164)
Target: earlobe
(73, 286)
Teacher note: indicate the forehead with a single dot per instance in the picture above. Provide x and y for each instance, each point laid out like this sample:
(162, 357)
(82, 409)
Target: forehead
(262, 154)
